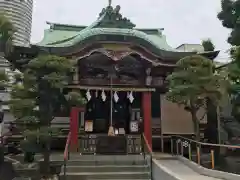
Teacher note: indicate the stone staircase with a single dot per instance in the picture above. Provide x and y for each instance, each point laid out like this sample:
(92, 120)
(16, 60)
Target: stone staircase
(90, 167)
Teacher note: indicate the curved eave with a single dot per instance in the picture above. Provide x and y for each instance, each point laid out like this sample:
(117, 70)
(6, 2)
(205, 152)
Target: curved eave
(21, 56)
(210, 54)
(225, 65)
(127, 39)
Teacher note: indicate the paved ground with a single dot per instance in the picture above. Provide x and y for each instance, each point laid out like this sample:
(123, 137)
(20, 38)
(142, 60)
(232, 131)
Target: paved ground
(179, 171)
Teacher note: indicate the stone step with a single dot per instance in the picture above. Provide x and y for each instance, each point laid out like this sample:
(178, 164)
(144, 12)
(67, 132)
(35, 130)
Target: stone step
(106, 163)
(107, 168)
(122, 179)
(77, 156)
(106, 175)
(106, 157)
(88, 160)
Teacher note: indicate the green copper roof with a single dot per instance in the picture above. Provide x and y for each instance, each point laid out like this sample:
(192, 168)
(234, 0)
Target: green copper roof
(56, 38)
(110, 22)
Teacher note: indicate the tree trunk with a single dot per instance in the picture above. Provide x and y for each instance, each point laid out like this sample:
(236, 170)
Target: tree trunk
(46, 156)
(195, 124)
(1, 133)
(45, 120)
(2, 47)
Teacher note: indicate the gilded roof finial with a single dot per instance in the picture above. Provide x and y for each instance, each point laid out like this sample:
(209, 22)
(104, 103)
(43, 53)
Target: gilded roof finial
(109, 2)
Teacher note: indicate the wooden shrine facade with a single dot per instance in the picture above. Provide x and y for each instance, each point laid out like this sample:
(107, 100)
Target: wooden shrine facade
(111, 56)
(122, 68)
(118, 68)
(124, 65)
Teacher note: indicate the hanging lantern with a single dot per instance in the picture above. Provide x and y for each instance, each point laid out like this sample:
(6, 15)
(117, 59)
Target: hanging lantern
(130, 97)
(115, 96)
(88, 95)
(104, 97)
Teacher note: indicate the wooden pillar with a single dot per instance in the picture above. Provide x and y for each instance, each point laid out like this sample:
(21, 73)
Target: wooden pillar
(75, 75)
(74, 125)
(147, 116)
(161, 125)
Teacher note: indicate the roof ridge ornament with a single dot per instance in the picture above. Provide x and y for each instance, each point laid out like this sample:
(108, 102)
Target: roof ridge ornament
(112, 18)
(109, 2)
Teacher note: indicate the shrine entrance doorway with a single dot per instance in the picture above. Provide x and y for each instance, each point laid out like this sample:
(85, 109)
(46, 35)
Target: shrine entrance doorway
(124, 111)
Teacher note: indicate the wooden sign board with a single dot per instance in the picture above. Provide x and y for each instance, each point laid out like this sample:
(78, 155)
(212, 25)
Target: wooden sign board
(88, 126)
(134, 126)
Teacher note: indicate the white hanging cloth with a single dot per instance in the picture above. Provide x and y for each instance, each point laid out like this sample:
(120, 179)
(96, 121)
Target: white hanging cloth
(115, 96)
(103, 95)
(88, 95)
(130, 97)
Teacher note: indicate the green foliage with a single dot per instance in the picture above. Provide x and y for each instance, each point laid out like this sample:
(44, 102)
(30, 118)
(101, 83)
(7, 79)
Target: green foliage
(75, 99)
(208, 45)
(230, 17)
(49, 70)
(235, 55)
(35, 95)
(236, 107)
(3, 79)
(234, 77)
(192, 82)
(18, 77)
(234, 71)
(6, 33)
(6, 28)
(22, 107)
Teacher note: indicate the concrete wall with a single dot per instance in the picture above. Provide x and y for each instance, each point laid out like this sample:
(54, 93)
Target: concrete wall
(176, 120)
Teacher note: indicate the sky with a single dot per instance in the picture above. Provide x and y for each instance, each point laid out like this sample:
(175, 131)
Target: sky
(184, 21)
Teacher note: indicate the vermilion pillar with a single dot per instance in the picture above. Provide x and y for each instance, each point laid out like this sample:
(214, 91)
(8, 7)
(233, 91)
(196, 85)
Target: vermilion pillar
(74, 125)
(147, 116)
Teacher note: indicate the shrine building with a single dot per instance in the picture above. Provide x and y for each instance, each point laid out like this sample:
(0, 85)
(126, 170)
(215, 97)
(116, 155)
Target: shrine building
(121, 70)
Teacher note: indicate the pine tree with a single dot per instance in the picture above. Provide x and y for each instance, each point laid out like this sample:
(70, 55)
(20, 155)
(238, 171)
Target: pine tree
(3, 85)
(36, 99)
(208, 45)
(233, 70)
(192, 82)
(230, 17)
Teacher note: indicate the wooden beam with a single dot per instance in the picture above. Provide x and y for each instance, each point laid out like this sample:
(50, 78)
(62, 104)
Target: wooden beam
(135, 89)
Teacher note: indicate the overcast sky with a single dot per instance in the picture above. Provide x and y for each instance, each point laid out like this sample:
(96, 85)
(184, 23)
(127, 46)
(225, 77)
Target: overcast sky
(184, 21)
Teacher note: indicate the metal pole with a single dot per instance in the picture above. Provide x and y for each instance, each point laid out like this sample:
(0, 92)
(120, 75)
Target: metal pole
(198, 155)
(1, 133)
(172, 145)
(218, 125)
(181, 148)
(212, 159)
(111, 110)
(1, 120)
(189, 151)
